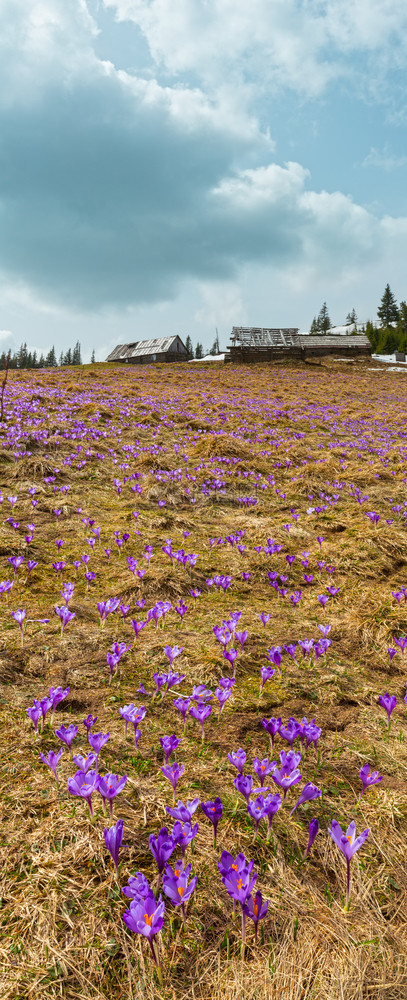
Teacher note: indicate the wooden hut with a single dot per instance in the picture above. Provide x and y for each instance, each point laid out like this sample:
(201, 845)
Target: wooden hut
(147, 352)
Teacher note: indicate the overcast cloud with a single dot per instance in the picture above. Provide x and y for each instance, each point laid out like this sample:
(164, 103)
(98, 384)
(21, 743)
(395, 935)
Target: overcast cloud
(145, 171)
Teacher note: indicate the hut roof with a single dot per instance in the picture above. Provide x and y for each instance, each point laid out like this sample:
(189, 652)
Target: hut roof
(141, 348)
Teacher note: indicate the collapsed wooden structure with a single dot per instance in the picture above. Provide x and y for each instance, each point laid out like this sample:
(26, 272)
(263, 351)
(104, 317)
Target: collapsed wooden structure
(253, 344)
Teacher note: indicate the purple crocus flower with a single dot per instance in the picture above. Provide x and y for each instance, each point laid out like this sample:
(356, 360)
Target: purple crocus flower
(85, 764)
(273, 655)
(89, 722)
(169, 745)
(161, 848)
(173, 772)
(239, 886)
(65, 616)
(34, 713)
(266, 675)
(256, 909)
(222, 694)
(67, 735)
(238, 759)
(137, 627)
(52, 761)
(113, 839)
(183, 813)
(272, 726)
(19, 616)
(308, 793)
(228, 863)
(257, 811)
(200, 713)
(176, 887)
(97, 741)
(244, 785)
(45, 704)
(182, 705)
(312, 833)
(137, 887)
(263, 768)
(368, 779)
(213, 811)
(388, 702)
(285, 779)
(56, 695)
(173, 652)
(173, 679)
(183, 834)
(200, 693)
(291, 731)
(290, 760)
(272, 804)
(110, 785)
(160, 682)
(348, 843)
(84, 785)
(146, 917)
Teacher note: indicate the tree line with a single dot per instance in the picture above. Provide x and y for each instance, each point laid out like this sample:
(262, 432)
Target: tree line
(23, 358)
(386, 336)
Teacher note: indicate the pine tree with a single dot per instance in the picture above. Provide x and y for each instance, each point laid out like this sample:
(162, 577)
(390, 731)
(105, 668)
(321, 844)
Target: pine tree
(189, 347)
(61, 359)
(402, 323)
(92, 359)
(314, 329)
(372, 334)
(67, 358)
(387, 311)
(41, 363)
(215, 346)
(22, 356)
(323, 321)
(51, 358)
(76, 354)
(351, 318)
(199, 351)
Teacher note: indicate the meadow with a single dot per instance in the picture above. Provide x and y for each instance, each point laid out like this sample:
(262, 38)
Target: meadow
(232, 540)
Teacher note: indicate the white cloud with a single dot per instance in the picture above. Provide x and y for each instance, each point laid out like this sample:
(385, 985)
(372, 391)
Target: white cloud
(383, 159)
(221, 306)
(302, 44)
(127, 188)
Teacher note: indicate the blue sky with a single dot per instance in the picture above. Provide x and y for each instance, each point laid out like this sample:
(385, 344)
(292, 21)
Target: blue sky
(172, 166)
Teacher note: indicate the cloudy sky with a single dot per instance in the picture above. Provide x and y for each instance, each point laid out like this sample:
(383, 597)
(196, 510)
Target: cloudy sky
(172, 166)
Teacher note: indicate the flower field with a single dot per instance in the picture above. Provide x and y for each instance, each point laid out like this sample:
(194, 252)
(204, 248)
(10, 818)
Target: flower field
(203, 667)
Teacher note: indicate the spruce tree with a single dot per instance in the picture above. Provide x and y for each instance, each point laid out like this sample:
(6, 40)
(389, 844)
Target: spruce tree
(51, 358)
(189, 347)
(199, 351)
(76, 354)
(314, 329)
(351, 318)
(402, 323)
(387, 311)
(323, 321)
(92, 358)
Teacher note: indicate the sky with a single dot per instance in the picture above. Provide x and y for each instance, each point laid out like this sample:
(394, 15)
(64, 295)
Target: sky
(177, 166)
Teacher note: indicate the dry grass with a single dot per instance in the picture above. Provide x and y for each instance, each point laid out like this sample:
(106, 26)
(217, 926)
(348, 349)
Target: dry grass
(61, 906)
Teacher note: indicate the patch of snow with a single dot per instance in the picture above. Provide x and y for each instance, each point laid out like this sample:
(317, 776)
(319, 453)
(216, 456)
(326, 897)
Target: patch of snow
(209, 357)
